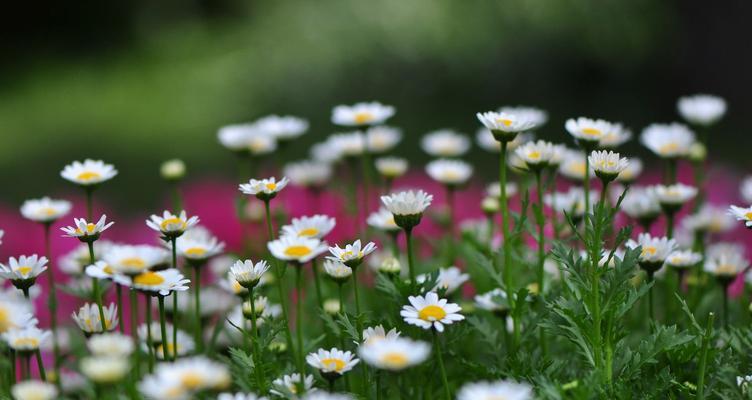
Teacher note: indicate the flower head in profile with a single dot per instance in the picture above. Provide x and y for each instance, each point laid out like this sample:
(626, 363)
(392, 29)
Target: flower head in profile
(394, 354)
(534, 115)
(507, 390)
(445, 143)
(24, 270)
(711, 219)
(573, 167)
(431, 312)
(615, 137)
(701, 109)
(332, 363)
(26, 339)
(383, 220)
(290, 385)
(494, 190)
(655, 250)
(195, 374)
(641, 203)
(198, 245)
(299, 249)
(89, 172)
(337, 270)
(111, 345)
(742, 214)
(15, 314)
(407, 207)
(315, 226)
(87, 318)
(682, 259)
(161, 283)
(449, 172)
(130, 260)
(105, 370)
(248, 274)
(449, 279)
(282, 128)
(588, 132)
(172, 170)
(672, 197)
(308, 174)
(535, 155)
(391, 167)
(171, 225)
(352, 254)
(87, 231)
(373, 334)
(347, 144)
(382, 138)
(264, 189)
(34, 390)
(181, 345)
(236, 137)
(668, 140)
(725, 264)
(45, 210)
(607, 164)
(362, 114)
(494, 301)
(631, 172)
(505, 126)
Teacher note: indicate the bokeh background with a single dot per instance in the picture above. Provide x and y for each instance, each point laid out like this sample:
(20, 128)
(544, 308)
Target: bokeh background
(137, 82)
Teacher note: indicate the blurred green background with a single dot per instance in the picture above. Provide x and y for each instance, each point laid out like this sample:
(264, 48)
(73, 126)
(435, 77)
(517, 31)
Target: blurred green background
(136, 82)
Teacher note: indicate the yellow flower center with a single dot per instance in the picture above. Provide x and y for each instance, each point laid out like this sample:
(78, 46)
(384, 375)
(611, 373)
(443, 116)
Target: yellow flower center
(297, 251)
(432, 313)
(534, 155)
(591, 131)
(23, 269)
(334, 364)
(192, 380)
(196, 251)
(363, 117)
(49, 211)
(748, 215)
(257, 145)
(237, 287)
(133, 262)
(578, 168)
(649, 251)
(725, 269)
(308, 232)
(166, 224)
(5, 323)
(26, 342)
(88, 176)
(89, 228)
(504, 121)
(271, 185)
(107, 269)
(668, 148)
(394, 360)
(149, 279)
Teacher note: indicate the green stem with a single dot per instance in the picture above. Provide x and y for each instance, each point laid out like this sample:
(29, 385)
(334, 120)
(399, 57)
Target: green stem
(119, 292)
(506, 238)
(586, 185)
(650, 297)
(280, 282)
(724, 287)
(440, 358)
(669, 225)
(89, 203)
(341, 299)
(149, 337)
(95, 289)
(357, 299)
(410, 260)
(366, 164)
(198, 334)
(257, 362)
(163, 329)
(541, 233)
(40, 365)
(704, 357)
(452, 224)
(670, 171)
(134, 332)
(299, 316)
(175, 312)
(52, 303)
(317, 282)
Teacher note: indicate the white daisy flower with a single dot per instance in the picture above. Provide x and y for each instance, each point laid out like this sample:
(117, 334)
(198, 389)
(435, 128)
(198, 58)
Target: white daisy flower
(391, 167)
(185, 344)
(494, 189)
(726, 264)
(668, 140)
(156, 282)
(607, 164)
(449, 279)
(308, 174)
(325, 153)
(337, 270)
(172, 170)
(430, 311)
(76, 261)
(362, 114)
(45, 210)
(486, 140)
(505, 126)
(675, 195)
(236, 137)
(316, 226)
(87, 318)
(683, 259)
(535, 155)
(407, 203)
(239, 396)
(171, 225)
(260, 305)
(34, 390)
(198, 245)
(615, 137)
(105, 370)
(641, 203)
(260, 142)
(631, 172)
(494, 301)
(655, 250)
(332, 363)
(394, 354)
(287, 385)
(571, 202)
(25, 269)
(196, 373)
(89, 172)
(87, 231)
(701, 109)
(746, 189)
(742, 214)
(445, 143)
(587, 131)
(248, 274)
(352, 254)
(383, 220)
(373, 334)
(323, 395)
(15, 314)
(535, 115)
(709, 219)
(282, 128)
(26, 339)
(573, 167)
(381, 139)
(264, 189)
(111, 345)
(449, 172)
(507, 390)
(298, 249)
(132, 259)
(349, 144)
(159, 388)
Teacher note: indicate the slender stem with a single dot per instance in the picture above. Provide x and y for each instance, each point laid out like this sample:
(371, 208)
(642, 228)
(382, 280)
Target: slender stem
(198, 333)
(134, 332)
(40, 365)
(541, 232)
(366, 165)
(177, 200)
(506, 238)
(698, 168)
(299, 316)
(704, 357)
(357, 298)
(317, 282)
(724, 287)
(609, 351)
(89, 203)
(670, 171)
(255, 350)
(149, 337)
(586, 185)
(410, 261)
(175, 313)
(650, 297)
(280, 281)
(52, 303)
(27, 366)
(670, 224)
(163, 329)
(440, 358)
(341, 298)
(95, 289)
(452, 223)
(119, 291)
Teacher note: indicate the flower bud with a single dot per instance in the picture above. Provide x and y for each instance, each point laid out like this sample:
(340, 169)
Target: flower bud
(697, 152)
(172, 170)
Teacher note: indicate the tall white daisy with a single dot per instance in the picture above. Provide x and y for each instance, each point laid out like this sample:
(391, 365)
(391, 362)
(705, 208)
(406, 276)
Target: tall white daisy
(315, 226)
(248, 274)
(394, 354)
(506, 126)
(607, 164)
(449, 172)
(87, 318)
(132, 259)
(282, 128)
(507, 390)
(264, 189)
(701, 109)
(445, 143)
(588, 132)
(348, 144)
(332, 363)
(668, 140)
(742, 214)
(171, 225)
(308, 174)
(352, 254)
(655, 251)
(89, 172)
(362, 114)
(407, 207)
(87, 231)
(161, 283)
(45, 210)
(383, 220)
(24, 270)
(431, 312)
(290, 385)
(391, 167)
(297, 249)
(380, 139)
(535, 155)
(198, 245)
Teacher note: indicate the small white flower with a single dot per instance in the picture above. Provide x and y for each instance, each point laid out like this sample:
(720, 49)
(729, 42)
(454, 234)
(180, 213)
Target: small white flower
(449, 172)
(494, 301)
(361, 114)
(586, 130)
(668, 140)
(299, 249)
(655, 250)
(129, 260)
(709, 219)
(26, 339)
(159, 388)
(264, 188)
(701, 109)
(236, 137)
(449, 279)
(172, 170)
(282, 128)
(15, 314)
(486, 140)
(185, 344)
(352, 254)
(683, 259)
(615, 137)
(571, 202)
(535, 115)
(171, 225)
(394, 354)
(505, 126)
(87, 318)
(535, 155)
(24, 268)
(507, 390)
(239, 396)
(111, 345)
(742, 214)
(196, 373)
(248, 274)
(89, 172)
(383, 220)
(746, 189)
(727, 264)
(430, 311)
(631, 172)
(311, 174)
(391, 167)
(86, 230)
(675, 195)
(34, 390)
(407, 203)
(573, 167)
(337, 270)
(287, 385)
(325, 153)
(156, 282)
(445, 143)
(348, 144)
(381, 139)
(607, 164)
(45, 210)
(332, 361)
(641, 203)
(198, 244)
(316, 226)
(373, 334)
(105, 370)
(494, 189)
